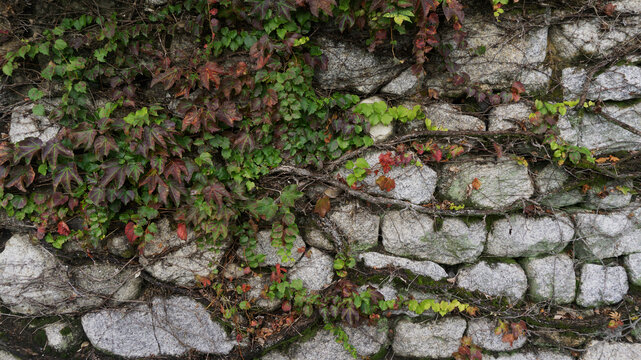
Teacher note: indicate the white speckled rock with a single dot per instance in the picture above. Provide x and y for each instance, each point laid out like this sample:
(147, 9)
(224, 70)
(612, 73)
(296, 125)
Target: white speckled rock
(539, 355)
(601, 285)
(4, 355)
(551, 278)
(507, 116)
(609, 196)
(315, 269)
(61, 336)
(602, 350)
(108, 281)
(633, 265)
(499, 279)
(24, 124)
(264, 246)
(358, 224)
(482, 333)
(519, 236)
(450, 117)
(258, 293)
(316, 238)
(406, 233)
(425, 268)
(616, 83)
(405, 84)
(601, 236)
(433, 339)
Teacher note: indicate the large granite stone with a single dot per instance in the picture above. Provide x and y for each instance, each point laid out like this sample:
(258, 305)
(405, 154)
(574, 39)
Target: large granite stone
(449, 117)
(519, 236)
(25, 124)
(601, 350)
(425, 268)
(315, 269)
(434, 339)
(551, 278)
(499, 279)
(358, 224)
(601, 236)
(616, 83)
(601, 285)
(508, 116)
(482, 333)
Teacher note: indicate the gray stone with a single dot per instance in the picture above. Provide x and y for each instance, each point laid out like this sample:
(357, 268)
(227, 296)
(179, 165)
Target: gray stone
(482, 333)
(562, 199)
(405, 84)
(596, 133)
(602, 350)
(425, 268)
(550, 178)
(502, 183)
(616, 83)
(25, 124)
(62, 336)
(627, 6)
(539, 355)
(274, 355)
(108, 282)
(155, 2)
(316, 238)
(315, 269)
(272, 257)
(601, 285)
(350, 67)
(169, 326)
(507, 57)
(4, 355)
(258, 293)
(597, 37)
(358, 224)
(551, 278)
(415, 182)
(120, 246)
(168, 258)
(609, 196)
(450, 117)
(601, 236)
(413, 234)
(367, 340)
(433, 339)
(499, 279)
(508, 116)
(632, 263)
(519, 236)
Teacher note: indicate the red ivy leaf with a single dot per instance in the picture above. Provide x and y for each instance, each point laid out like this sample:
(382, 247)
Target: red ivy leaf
(84, 134)
(52, 150)
(63, 228)
(129, 232)
(216, 192)
(210, 72)
(26, 149)
(65, 175)
(22, 176)
(325, 5)
(385, 183)
(168, 78)
(287, 307)
(228, 113)
(181, 231)
(322, 206)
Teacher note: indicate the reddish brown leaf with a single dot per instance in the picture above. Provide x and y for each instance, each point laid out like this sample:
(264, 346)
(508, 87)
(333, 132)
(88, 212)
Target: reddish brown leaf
(385, 183)
(129, 232)
(181, 231)
(476, 183)
(63, 228)
(287, 307)
(210, 72)
(609, 9)
(322, 206)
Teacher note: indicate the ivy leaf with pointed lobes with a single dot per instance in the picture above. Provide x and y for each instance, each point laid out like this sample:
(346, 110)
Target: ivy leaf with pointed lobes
(113, 171)
(385, 183)
(244, 142)
(103, 146)
(174, 169)
(151, 180)
(351, 316)
(322, 206)
(175, 190)
(97, 195)
(228, 113)
(129, 232)
(65, 175)
(133, 170)
(126, 196)
(52, 150)
(168, 78)
(325, 5)
(22, 177)
(192, 118)
(83, 135)
(26, 149)
(216, 192)
(210, 72)
(5, 152)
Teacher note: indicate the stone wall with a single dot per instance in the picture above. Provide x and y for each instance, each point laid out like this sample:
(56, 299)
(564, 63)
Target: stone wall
(534, 241)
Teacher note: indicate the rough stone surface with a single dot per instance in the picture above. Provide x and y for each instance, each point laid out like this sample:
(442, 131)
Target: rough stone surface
(616, 83)
(508, 57)
(358, 224)
(170, 326)
(499, 279)
(350, 67)
(4, 355)
(502, 183)
(507, 117)
(316, 238)
(593, 38)
(539, 355)
(413, 183)
(598, 134)
(519, 236)
(551, 278)
(451, 118)
(426, 268)
(437, 339)
(168, 258)
(379, 132)
(632, 263)
(601, 285)
(411, 234)
(482, 333)
(601, 350)
(613, 199)
(264, 246)
(367, 340)
(106, 281)
(551, 180)
(257, 294)
(405, 84)
(315, 269)
(24, 124)
(601, 236)
(120, 246)
(61, 336)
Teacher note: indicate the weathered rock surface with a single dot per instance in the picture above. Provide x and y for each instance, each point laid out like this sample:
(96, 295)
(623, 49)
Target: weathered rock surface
(616, 83)
(482, 333)
(120, 246)
(593, 38)
(499, 279)
(25, 124)
(434, 339)
(601, 350)
(168, 258)
(539, 355)
(551, 278)
(502, 183)
(609, 196)
(632, 263)
(61, 336)
(426, 268)
(350, 67)
(601, 236)
(358, 224)
(168, 326)
(315, 269)
(411, 234)
(601, 285)
(519, 236)
(508, 116)
(107, 282)
(258, 293)
(405, 84)
(4, 355)
(316, 238)
(596, 133)
(264, 246)
(449, 117)
(551, 180)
